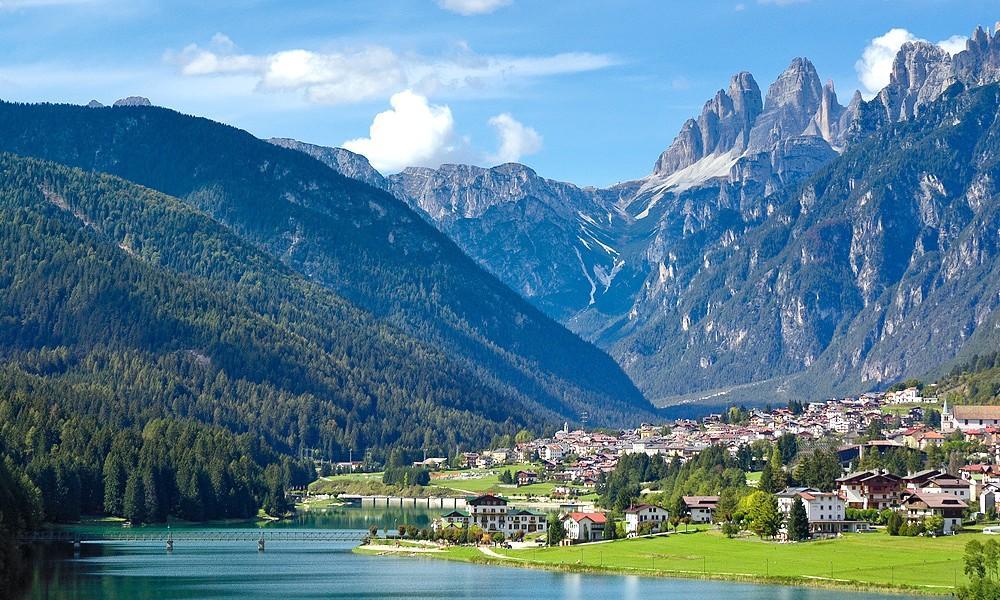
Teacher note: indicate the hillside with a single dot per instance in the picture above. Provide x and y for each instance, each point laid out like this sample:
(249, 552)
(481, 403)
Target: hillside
(976, 381)
(785, 245)
(359, 242)
(128, 305)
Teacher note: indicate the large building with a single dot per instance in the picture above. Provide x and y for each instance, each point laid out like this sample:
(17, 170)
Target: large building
(967, 418)
(870, 489)
(826, 511)
(494, 515)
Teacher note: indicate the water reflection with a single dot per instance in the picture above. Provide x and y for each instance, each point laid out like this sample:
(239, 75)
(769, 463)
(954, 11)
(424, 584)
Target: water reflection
(330, 570)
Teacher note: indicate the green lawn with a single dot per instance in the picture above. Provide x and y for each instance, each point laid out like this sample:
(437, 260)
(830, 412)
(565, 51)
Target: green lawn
(488, 480)
(901, 409)
(875, 559)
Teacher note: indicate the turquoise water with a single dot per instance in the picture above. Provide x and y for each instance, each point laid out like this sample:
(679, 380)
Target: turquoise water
(290, 570)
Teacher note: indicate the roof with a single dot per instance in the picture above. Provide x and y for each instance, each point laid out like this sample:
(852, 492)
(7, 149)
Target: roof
(968, 411)
(641, 507)
(935, 500)
(947, 481)
(922, 475)
(866, 476)
(455, 513)
(484, 499)
(701, 501)
(595, 517)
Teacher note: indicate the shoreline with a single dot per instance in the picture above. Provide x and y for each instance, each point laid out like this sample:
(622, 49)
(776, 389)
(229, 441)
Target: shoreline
(804, 581)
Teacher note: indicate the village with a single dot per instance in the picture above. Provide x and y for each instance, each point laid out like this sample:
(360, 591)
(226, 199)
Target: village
(933, 501)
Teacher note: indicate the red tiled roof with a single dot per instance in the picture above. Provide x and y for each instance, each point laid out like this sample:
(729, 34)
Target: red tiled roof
(595, 517)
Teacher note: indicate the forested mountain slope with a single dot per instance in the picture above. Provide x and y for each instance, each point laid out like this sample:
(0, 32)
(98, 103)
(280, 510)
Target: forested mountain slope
(142, 307)
(362, 243)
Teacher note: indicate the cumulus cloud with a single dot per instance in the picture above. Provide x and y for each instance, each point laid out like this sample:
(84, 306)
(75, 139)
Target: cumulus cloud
(412, 132)
(516, 139)
(373, 72)
(954, 44)
(874, 68)
(472, 7)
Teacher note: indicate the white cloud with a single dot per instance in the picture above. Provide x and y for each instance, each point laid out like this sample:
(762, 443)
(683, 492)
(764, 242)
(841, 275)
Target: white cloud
(874, 68)
(954, 44)
(412, 133)
(516, 139)
(472, 7)
(373, 72)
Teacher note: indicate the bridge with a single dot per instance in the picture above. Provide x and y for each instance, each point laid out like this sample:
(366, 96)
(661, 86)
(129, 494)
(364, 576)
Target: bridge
(172, 536)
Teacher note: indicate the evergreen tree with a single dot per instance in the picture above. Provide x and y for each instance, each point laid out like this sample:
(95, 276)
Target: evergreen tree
(798, 521)
(554, 532)
(134, 502)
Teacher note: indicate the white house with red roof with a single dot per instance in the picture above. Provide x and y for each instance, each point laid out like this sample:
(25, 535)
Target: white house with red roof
(585, 526)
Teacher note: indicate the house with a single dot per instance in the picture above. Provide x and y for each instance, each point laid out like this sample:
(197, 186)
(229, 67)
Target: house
(551, 452)
(584, 526)
(431, 463)
(635, 516)
(967, 417)
(825, 510)
(870, 489)
(701, 509)
(988, 498)
(946, 484)
(525, 478)
(920, 505)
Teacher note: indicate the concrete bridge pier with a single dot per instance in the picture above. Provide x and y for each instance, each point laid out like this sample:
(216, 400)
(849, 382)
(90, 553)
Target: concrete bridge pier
(260, 543)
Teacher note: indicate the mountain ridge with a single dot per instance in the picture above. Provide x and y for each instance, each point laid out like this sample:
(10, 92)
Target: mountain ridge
(718, 181)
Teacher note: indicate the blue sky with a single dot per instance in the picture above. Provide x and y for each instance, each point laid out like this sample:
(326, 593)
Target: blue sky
(588, 91)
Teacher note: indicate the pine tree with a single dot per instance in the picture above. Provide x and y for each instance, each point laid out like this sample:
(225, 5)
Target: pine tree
(798, 521)
(134, 503)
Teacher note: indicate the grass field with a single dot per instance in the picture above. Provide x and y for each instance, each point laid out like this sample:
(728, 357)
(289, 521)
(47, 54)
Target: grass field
(902, 409)
(488, 480)
(875, 558)
(864, 561)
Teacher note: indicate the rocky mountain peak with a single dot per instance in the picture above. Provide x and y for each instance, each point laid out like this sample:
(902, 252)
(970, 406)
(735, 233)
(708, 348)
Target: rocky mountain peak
(799, 85)
(723, 126)
(979, 63)
(345, 162)
(133, 101)
(94, 104)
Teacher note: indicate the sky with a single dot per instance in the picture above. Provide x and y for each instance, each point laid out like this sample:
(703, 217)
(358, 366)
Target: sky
(587, 91)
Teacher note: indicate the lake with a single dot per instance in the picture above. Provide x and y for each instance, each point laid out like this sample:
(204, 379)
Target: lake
(290, 570)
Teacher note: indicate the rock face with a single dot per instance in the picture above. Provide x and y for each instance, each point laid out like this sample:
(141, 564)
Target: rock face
(94, 104)
(132, 101)
(343, 161)
(724, 126)
(553, 242)
(922, 71)
(774, 240)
